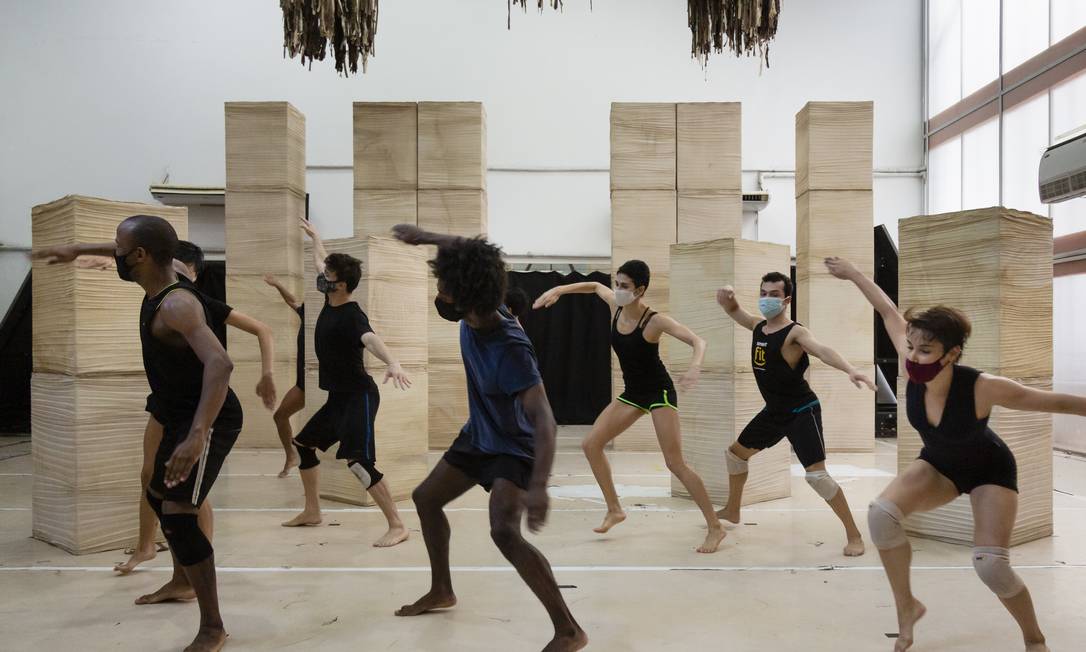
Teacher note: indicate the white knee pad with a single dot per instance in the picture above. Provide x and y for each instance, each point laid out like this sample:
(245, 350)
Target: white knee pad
(823, 484)
(736, 465)
(884, 522)
(993, 565)
(362, 474)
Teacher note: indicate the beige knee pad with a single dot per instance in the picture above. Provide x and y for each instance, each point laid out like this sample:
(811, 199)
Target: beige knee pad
(736, 465)
(823, 484)
(884, 522)
(993, 566)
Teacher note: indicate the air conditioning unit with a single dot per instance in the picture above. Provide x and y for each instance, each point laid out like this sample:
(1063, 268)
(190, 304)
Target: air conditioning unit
(755, 201)
(1062, 173)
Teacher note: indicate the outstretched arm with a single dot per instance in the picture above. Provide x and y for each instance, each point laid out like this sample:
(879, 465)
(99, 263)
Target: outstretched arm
(288, 297)
(68, 253)
(538, 410)
(831, 357)
(996, 390)
(265, 389)
(680, 332)
(725, 296)
(413, 235)
(394, 371)
(319, 252)
(548, 298)
(891, 318)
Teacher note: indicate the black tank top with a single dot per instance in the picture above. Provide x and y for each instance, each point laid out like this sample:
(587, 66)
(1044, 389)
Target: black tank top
(783, 388)
(642, 369)
(176, 374)
(959, 426)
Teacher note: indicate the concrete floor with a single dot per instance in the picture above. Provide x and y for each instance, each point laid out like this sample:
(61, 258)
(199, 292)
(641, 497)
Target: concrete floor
(778, 583)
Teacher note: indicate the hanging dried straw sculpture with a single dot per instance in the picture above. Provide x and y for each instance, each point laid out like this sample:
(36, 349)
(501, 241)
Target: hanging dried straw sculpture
(555, 4)
(349, 25)
(743, 26)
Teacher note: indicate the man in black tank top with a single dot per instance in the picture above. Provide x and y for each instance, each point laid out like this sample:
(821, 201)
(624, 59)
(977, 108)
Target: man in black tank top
(779, 351)
(189, 373)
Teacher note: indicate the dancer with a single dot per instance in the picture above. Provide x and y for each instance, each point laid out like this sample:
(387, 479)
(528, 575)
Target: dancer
(779, 357)
(294, 399)
(635, 336)
(189, 373)
(949, 404)
(507, 445)
(342, 333)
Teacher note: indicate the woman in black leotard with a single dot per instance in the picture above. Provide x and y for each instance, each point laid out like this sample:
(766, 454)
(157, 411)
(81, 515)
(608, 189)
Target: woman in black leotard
(949, 404)
(635, 338)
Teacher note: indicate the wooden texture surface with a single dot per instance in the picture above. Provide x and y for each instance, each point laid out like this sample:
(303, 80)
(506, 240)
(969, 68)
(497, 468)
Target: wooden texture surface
(708, 153)
(265, 146)
(833, 146)
(643, 143)
(452, 145)
(386, 145)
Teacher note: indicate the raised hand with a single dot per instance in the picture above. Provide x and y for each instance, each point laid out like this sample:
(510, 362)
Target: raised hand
(725, 296)
(840, 267)
(547, 299)
(408, 233)
(54, 255)
(270, 279)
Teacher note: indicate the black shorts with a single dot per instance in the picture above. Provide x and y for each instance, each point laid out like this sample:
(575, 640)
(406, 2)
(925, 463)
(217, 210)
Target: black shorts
(649, 400)
(968, 467)
(485, 468)
(802, 427)
(220, 442)
(347, 418)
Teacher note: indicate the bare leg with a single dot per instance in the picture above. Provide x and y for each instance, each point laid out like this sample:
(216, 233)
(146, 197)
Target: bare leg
(919, 488)
(731, 511)
(311, 513)
(839, 504)
(444, 484)
(397, 533)
(506, 508)
(612, 422)
(146, 549)
(201, 576)
(666, 422)
(292, 403)
(994, 510)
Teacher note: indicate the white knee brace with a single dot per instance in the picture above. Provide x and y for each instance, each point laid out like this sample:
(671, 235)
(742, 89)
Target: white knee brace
(993, 565)
(884, 522)
(736, 465)
(823, 484)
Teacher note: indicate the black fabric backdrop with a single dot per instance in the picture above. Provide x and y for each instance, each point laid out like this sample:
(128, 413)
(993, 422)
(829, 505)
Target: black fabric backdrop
(572, 341)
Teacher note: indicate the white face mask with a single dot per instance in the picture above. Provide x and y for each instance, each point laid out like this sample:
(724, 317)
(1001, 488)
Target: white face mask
(624, 297)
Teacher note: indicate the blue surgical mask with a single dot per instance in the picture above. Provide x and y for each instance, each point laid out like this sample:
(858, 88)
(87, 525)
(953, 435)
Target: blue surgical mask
(770, 307)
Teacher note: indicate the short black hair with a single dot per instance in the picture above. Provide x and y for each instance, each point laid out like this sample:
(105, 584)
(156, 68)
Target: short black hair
(472, 274)
(516, 300)
(190, 254)
(347, 268)
(777, 277)
(637, 270)
(155, 235)
(944, 324)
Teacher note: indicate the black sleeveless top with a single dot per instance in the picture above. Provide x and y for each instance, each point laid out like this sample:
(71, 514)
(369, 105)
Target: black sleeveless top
(176, 374)
(642, 369)
(959, 426)
(783, 388)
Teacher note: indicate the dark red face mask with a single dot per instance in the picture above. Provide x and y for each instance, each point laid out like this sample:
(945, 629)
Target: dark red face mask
(921, 373)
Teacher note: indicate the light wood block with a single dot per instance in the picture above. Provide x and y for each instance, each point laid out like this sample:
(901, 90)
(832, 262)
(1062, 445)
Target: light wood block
(87, 448)
(452, 145)
(833, 146)
(1029, 436)
(377, 211)
(459, 212)
(263, 303)
(265, 146)
(263, 233)
(386, 146)
(698, 269)
(643, 228)
(448, 403)
(87, 320)
(838, 316)
(643, 143)
(712, 415)
(709, 215)
(848, 413)
(708, 155)
(258, 429)
(995, 265)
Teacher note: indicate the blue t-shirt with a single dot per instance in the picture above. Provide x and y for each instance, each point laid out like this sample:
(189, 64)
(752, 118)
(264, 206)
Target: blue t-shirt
(500, 364)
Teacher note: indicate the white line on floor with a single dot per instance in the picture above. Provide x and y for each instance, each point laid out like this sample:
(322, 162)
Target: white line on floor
(510, 569)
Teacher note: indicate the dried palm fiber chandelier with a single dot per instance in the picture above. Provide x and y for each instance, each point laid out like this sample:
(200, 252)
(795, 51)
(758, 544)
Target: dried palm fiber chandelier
(555, 4)
(309, 26)
(743, 26)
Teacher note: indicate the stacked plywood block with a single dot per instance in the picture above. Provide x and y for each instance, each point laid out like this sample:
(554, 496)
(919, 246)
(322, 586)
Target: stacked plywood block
(709, 171)
(265, 196)
(393, 295)
(385, 166)
(995, 265)
(726, 398)
(89, 388)
(834, 218)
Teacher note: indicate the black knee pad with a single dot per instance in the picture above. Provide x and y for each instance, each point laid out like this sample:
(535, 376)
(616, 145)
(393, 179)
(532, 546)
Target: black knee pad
(366, 472)
(186, 539)
(155, 503)
(308, 457)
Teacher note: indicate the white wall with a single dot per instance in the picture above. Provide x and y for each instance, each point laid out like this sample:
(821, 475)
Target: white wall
(1069, 357)
(105, 98)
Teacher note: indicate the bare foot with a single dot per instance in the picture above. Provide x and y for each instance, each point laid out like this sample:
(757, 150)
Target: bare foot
(137, 558)
(394, 536)
(611, 520)
(905, 623)
(729, 514)
(428, 602)
(854, 548)
(713, 539)
(292, 461)
(567, 642)
(172, 591)
(305, 518)
(1036, 647)
(209, 639)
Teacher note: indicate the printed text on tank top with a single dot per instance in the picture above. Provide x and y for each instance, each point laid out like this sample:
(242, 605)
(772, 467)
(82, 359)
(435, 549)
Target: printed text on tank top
(787, 347)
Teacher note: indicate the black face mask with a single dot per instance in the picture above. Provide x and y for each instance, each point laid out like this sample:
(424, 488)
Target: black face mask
(447, 310)
(124, 270)
(324, 286)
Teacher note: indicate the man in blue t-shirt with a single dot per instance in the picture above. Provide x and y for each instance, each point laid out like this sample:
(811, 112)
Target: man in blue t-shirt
(507, 445)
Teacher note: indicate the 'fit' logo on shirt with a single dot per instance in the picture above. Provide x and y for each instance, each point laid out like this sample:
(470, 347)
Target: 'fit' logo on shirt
(759, 354)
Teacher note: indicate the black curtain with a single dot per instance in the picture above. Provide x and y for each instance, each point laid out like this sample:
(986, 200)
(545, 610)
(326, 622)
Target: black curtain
(16, 363)
(572, 341)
